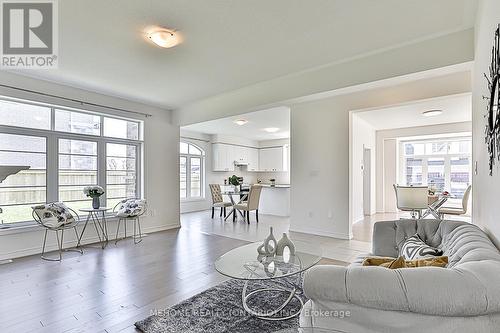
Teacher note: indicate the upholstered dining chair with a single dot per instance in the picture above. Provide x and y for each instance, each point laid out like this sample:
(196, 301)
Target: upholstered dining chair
(130, 209)
(413, 199)
(251, 204)
(217, 200)
(57, 217)
(446, 210)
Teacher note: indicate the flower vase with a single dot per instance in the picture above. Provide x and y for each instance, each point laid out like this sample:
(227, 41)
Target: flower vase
(96, 202)
(283, 243)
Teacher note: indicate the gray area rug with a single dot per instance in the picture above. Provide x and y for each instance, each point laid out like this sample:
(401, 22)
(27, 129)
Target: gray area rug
(219, 310)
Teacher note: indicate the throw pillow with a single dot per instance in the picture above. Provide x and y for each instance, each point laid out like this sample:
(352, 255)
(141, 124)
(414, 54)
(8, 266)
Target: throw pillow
(394, 263)
(415, 248)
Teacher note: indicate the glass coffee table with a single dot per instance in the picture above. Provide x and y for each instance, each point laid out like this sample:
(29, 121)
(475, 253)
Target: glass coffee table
(244, 263)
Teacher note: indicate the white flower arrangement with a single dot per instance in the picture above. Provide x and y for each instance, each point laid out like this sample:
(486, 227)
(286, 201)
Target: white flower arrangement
(94, 191)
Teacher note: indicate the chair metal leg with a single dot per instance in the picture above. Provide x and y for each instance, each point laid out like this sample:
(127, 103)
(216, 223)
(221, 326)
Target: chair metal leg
(221, 211)
(117, 230)
(224, 211)
(234, 215)
(59, 245)
(248, 216)
(213, 211)
(257, 215)
(140, 233)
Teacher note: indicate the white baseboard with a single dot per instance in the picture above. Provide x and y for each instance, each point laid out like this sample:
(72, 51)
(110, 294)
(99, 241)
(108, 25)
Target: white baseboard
(85, 240)
(318, 232)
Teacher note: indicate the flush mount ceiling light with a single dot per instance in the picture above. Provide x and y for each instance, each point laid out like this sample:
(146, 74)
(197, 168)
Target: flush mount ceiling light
(271, 129)
(432, 113)
(163, 37)
(241, 122)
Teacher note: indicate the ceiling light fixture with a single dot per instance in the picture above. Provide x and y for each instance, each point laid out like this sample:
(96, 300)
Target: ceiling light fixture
(241, 122)
(432, 113)
(164, 37)
(271, 129)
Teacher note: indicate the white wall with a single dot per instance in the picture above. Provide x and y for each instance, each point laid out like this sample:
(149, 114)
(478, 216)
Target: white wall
(387, 157)
(319, 141)
(486, 210)
(161, 180)
(362, 137)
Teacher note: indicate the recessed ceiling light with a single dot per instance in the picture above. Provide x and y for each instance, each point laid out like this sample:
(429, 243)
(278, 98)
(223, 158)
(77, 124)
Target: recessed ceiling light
(271, 129)
(164, 37)
(241, 122)
(432, 113)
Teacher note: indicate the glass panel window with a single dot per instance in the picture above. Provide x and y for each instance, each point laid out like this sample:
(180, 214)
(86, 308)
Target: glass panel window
(77, 122)
(183, 176)
(195, 177)
(121, 181)
(20, 191)
(459, 176)
(24, 115)
(119, 128)
(436, 173)
(414, 171)
(77, 169)
(411, 149)
(191, 163)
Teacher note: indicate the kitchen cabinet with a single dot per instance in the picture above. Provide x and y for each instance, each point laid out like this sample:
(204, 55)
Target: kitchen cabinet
(253, 159)
(271, 159)
(223, 157)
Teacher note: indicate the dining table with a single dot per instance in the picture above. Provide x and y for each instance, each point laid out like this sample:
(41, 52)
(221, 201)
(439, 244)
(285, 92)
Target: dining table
(241, 196)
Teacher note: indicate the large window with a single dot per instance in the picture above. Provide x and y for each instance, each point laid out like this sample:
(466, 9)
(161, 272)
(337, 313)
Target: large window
(191, 165)
(61, 151)
(444, 164)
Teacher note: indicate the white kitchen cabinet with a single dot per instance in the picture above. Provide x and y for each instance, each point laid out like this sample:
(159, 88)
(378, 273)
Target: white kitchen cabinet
(253, 159)
(271, 159)
(223, 157)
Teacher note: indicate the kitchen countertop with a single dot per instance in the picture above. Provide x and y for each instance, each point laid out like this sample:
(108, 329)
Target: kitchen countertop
(276, 186)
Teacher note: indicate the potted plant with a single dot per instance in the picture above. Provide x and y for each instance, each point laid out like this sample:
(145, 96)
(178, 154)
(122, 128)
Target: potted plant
(233, 180)
(94, 192)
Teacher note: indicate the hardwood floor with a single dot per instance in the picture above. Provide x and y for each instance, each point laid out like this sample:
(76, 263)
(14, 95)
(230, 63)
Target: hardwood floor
(108, 290)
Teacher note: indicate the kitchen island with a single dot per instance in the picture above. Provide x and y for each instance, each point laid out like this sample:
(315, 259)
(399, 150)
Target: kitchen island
(275, 200)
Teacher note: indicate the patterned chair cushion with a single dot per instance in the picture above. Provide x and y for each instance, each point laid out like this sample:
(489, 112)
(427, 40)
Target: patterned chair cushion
(131, 208)
(216, 193)
(54, 215)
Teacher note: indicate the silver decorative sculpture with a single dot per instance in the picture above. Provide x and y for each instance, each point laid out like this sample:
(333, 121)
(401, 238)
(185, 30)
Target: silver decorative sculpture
(268, 248)
(284, 243)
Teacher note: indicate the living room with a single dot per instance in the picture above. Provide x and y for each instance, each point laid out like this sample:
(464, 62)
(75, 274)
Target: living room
(97, 231)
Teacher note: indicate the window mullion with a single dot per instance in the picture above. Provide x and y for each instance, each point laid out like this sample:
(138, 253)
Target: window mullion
(101, 168)
(52, 166)
(188, 176)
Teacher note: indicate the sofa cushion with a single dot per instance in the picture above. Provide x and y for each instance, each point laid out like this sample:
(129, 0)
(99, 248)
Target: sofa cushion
(415, 248)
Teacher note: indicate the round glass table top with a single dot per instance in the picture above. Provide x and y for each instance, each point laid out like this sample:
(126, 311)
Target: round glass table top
(246, 263)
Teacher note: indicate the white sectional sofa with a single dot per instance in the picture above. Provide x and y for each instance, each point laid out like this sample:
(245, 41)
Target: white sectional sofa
(464, 297)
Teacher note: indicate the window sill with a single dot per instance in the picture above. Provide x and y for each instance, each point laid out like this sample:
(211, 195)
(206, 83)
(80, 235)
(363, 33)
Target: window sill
(193, 200)
(31, 227)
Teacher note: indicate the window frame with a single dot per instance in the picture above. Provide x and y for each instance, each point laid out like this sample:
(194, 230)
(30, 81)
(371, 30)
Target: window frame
(188, 157)
(426, 156)
(52, 150)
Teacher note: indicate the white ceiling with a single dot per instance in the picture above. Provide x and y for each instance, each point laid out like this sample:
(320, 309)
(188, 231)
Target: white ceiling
(278, 117)
(455, 109)
(230, 44)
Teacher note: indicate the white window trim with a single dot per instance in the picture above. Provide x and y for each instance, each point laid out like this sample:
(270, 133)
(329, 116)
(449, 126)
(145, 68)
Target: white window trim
(52, 151)
(425, 157)
(188, 157)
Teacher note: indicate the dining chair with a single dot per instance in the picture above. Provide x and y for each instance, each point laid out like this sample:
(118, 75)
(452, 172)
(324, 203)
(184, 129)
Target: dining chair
(56, 216)
(251, 204)
(448, 210)
(130, 209)
(412, 199)
(217, 200)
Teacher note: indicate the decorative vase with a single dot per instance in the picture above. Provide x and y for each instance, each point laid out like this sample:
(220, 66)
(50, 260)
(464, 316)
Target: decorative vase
(283, 243)
(270, 243)
(96, 202)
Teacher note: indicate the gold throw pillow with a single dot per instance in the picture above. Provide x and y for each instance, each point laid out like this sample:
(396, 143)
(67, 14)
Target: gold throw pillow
(393, 263)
